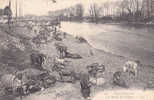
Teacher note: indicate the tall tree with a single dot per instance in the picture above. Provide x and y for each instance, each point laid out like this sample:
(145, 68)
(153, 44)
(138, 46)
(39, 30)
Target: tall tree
(79, 10)
(94, 12)
(132, 6)
(106, 7)
(8, 13)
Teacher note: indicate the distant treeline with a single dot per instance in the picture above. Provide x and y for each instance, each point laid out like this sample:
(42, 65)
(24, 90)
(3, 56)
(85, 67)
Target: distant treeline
(121, 10)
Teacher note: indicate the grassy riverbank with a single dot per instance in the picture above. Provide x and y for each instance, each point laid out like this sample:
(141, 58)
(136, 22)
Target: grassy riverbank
(17, 45)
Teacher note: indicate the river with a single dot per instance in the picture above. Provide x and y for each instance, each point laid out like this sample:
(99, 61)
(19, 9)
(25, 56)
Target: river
(134, 42)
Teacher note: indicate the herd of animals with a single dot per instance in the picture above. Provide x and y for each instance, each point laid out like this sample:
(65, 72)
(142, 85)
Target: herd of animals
(95, 69)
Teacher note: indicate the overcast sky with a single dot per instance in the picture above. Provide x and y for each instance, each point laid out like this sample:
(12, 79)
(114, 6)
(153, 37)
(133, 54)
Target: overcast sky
(41, 7)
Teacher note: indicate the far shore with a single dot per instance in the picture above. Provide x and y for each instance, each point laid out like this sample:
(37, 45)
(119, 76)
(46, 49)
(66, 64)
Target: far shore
(149, 24)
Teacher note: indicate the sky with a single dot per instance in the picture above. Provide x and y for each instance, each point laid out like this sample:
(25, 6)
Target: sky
(41, 7)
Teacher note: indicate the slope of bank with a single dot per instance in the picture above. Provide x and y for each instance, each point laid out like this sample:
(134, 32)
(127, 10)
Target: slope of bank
(90, 55)
(18, 55)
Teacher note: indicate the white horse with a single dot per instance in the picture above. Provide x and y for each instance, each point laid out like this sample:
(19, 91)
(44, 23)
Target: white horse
(131, 67)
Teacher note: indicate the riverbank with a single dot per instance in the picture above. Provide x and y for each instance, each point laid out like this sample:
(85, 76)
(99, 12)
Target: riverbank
(89, 54)
(135, 42)
(112, 63)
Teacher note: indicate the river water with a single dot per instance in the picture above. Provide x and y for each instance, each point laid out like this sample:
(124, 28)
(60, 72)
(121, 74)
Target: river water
(134, 42)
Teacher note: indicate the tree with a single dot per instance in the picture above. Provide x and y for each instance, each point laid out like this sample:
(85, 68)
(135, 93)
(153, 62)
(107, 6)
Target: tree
(127, 5)
(8, 13)
(79, 10)
(149, 7)
(105, 7)
(94, 12)
(132, 6)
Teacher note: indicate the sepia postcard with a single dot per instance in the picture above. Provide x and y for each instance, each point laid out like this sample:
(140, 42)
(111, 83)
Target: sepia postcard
(76, 49)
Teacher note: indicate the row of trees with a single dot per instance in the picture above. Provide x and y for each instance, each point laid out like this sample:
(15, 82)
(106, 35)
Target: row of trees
(131, 10)
(122, 9)
(76, 11)
(94, 12)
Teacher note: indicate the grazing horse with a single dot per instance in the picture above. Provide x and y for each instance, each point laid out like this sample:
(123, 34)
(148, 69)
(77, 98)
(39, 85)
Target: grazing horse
(85, 86)
(32, 88)
(55, 23)
(37, 59)
(67, 73)
(62, 50)
(131, 67)
(118, 80)
(94, 69)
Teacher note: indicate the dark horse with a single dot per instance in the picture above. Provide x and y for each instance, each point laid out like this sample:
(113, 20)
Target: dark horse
(37, 59)
(85, 86)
